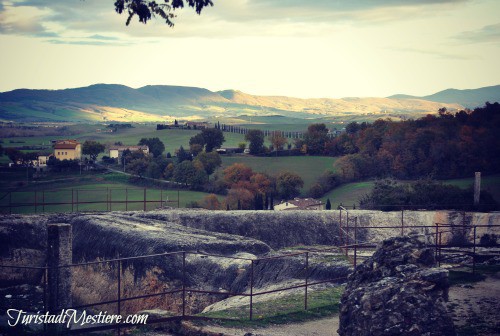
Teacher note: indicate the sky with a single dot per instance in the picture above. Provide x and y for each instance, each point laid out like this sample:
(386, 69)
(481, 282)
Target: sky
(307, 49)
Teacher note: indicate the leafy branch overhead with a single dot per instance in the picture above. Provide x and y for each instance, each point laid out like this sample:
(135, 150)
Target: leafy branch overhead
(147, 9)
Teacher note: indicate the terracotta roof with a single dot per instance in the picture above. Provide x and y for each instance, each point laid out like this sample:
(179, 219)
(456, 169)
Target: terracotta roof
(66, 144)
(122, 148)
(305, 202)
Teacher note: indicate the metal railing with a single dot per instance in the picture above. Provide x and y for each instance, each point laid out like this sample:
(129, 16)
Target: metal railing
(75, 200)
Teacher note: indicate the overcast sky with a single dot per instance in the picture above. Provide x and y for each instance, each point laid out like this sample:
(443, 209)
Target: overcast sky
(321, 48)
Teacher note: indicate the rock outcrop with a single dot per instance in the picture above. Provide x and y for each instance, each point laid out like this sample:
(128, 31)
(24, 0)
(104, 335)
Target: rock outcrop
(397, 292)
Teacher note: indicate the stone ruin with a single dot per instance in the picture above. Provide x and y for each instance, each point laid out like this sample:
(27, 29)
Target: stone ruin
(397, 291)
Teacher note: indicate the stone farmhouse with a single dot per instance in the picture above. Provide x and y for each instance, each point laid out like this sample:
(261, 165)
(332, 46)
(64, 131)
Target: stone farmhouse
(117, 151)
(68, 150)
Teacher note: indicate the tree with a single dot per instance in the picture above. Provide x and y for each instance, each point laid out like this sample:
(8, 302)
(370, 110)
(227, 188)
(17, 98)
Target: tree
(288, 184)
(211, 202)
(146, 9)
(237, 172)
(182, 155)
(315, 138)
(240, 199)
(138, 166)
(186, 172)
(209, 138)
(92, 148)
(214, 138)
(328, 205)
(256, 138)
(210, 161)
(156, 147)
(278, 140)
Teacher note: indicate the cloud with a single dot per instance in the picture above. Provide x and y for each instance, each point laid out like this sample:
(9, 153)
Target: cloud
(230, 18)
(487, 34)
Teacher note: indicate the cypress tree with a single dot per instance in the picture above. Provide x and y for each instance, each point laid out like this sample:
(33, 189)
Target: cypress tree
(328, 205)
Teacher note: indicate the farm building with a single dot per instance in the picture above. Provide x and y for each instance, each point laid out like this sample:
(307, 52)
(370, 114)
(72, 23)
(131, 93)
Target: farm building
(300, 204)
(117, 151)
(68, 150)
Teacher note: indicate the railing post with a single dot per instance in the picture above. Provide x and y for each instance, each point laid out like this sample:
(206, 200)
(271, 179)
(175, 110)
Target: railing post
(474, 253)
(110, 199)
(307, 280)
(77, 201)
(72, 200)
(439, 254)
(347, 236)
(251, 291)
(402, 222)
(126, 199)
(436, 242)
(340, 227)
(119, 289)
(144, 208)
(178, 199)
(59, 258)
(43, 200)
(36, 204)
(183, 284)
(355, 240)
(161, 197)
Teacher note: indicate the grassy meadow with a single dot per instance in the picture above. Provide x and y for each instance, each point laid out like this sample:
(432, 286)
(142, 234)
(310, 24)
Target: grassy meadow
(350, 193)
(307, 167)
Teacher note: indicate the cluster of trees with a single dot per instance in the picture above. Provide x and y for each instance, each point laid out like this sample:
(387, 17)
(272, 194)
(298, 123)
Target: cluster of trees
(443, 146)
(423, 194)
(249, 190)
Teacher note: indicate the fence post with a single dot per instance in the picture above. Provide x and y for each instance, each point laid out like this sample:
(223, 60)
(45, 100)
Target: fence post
(340, 227)
(144, 208)
(161, 198)
(110, 199)
(178, 199)
(347, 236)
(59, 256)
(436, 242)
(440, 242)
(77, 201)
(474, 253)
(72, 200)
(355, 240)
(183, 284)
(10, 202)
(36, 205)
(251, 291)
(43, 200)
(119, 289)
(307, 280)
(402, 222)
(126, 199)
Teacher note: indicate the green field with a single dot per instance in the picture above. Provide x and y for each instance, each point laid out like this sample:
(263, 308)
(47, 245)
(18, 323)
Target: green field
(308, 167)
(108, 191)
(350, 193)
(172, 138)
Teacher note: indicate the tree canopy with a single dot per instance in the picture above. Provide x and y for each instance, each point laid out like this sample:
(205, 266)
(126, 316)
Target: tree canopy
(146, 9)
(92, 148)
(156, 146)
(256, 138)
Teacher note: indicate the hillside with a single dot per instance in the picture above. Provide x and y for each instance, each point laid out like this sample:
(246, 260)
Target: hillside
(467, 98)
(111, 102)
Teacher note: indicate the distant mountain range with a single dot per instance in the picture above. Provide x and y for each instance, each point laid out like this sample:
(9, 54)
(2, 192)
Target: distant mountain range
(111, 102)
(467, 98)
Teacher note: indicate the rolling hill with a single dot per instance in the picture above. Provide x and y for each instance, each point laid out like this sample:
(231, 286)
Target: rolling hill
(467, 98)
(111, 102)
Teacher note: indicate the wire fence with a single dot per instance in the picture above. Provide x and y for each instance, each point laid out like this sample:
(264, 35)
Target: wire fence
(98, 199)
